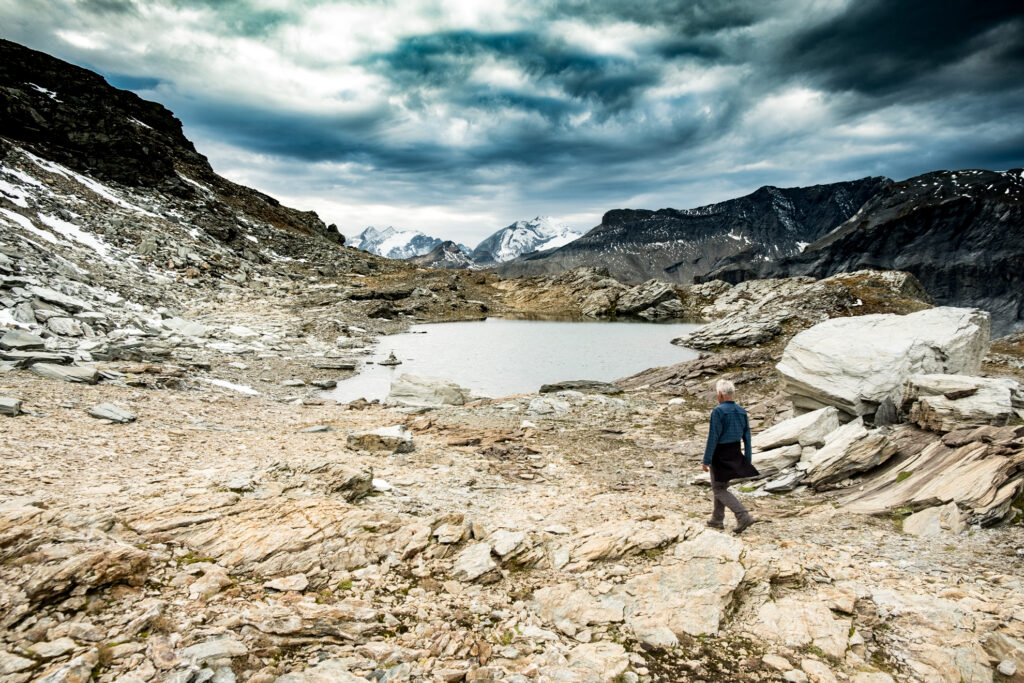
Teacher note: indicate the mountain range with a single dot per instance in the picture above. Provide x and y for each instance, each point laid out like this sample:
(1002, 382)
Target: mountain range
(961, 233)
(513, 241)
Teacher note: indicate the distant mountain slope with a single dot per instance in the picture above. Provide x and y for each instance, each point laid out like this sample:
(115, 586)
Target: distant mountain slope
(448, 254)
(961, 233)
(394, 243)
(673, 245)
(523, 237)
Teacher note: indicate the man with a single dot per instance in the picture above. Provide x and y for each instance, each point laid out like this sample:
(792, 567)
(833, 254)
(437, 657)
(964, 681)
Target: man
(722, 455)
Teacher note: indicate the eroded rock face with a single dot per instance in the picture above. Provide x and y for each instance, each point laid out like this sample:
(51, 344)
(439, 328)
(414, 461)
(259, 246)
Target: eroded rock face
(854, 364)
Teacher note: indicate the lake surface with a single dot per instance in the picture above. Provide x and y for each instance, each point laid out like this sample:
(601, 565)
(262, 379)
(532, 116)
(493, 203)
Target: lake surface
(498, 357)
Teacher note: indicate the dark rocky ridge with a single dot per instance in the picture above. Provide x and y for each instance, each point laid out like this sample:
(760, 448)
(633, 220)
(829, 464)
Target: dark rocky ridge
(673, 245)
(72, 116)
(961, 233)
(447, 254)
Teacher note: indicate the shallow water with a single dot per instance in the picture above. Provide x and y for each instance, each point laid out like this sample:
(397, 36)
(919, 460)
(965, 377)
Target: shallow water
(498, 357)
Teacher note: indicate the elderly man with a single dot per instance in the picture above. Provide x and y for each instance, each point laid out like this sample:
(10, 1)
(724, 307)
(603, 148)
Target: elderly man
(723, 457)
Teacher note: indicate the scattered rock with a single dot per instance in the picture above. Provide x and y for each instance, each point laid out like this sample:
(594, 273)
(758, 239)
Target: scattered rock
(475, 564)
(327, 671)
(12, 664)
(10, 406)
(582, 385)
(396, 439)
(109, 411)
(936, 521)
(216, 648)
(19, 340)
(800, 623)
(295, 582)
(809, 429)
(847, 450)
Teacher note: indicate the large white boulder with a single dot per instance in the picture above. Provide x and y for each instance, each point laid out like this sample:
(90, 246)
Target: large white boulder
(418, 391)
(856, 363)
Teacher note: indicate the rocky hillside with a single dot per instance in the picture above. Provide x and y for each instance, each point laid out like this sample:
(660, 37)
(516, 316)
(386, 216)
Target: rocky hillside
(71, 116)
(673, 245)
(960, 233)
(523, 237)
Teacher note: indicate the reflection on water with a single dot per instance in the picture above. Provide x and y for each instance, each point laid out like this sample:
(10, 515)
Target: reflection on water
(498, 357)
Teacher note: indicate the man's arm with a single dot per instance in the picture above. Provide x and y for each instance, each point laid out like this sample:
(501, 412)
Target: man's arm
(746, 438)
(714, 433)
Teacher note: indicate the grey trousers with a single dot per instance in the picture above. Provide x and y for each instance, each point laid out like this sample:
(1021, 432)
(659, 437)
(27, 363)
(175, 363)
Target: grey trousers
(725, 499)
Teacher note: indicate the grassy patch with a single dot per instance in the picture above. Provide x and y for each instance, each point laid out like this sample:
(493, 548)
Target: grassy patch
(903, 476)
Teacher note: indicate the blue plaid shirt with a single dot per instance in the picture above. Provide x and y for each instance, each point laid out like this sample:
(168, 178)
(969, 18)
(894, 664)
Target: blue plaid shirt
(729, 424)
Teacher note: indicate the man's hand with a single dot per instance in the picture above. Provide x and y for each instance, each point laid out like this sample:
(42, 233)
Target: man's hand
(705, 468)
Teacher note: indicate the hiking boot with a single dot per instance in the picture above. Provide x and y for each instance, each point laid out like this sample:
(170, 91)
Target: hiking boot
(742, 525)
(714, 525)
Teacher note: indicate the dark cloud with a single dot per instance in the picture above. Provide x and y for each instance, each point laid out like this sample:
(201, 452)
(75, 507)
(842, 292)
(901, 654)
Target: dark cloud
(572, 106)
(880, 47)
(691, 17)
(448, 59)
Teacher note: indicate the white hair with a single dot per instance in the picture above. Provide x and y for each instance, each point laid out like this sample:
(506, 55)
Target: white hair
(726, 388)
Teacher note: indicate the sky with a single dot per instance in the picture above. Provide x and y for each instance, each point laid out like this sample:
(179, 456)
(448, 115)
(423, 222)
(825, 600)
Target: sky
(458, 117)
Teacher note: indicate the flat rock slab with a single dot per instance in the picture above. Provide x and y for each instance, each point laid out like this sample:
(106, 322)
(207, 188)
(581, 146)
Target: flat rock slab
(26, 358)
(69, 373)
(217, 648)
(63, 300)
(418, 391)
(936, 521)
(328, 671)
(295, 582)
(584, 385)
(19, 340)
(109, 411)
(9, 406)
(806, 430)
(332, 365)
(475, 563)
(316, 429)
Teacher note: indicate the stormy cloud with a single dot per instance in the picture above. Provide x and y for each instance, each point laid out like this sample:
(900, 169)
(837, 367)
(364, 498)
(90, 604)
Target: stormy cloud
(458, 117)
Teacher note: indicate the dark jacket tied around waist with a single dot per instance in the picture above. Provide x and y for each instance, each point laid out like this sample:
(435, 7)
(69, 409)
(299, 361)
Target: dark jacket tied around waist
(729, 426)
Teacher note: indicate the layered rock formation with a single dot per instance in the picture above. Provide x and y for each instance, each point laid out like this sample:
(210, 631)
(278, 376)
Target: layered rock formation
(960, 233)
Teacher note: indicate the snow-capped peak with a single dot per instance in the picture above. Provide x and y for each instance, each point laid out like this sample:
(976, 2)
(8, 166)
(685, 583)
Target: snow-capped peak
(523, 237)
(393, 243)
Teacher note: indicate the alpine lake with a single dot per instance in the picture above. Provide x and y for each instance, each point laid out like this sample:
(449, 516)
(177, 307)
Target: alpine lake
(500, 357)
